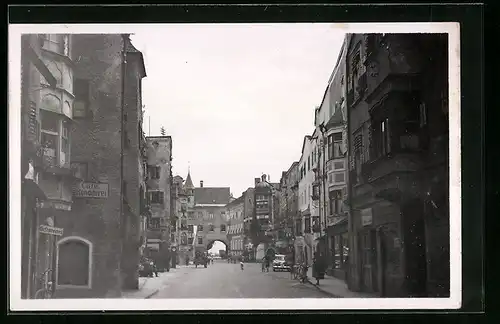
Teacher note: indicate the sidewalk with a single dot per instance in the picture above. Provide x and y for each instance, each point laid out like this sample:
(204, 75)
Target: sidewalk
(150, 286)
(336, 287)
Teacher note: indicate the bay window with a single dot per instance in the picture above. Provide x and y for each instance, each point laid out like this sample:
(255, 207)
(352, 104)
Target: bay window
(335, 146)
(335, 199)
(55, 138)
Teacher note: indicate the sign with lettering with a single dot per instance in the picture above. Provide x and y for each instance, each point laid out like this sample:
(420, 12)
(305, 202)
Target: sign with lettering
(50, 230)
(91, 190)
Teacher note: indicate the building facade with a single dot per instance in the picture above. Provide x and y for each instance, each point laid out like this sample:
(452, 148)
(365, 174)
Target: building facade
(209, 217)
(331, 172)
(159, 187)
(310, 226)
(80, 229)
(248, 216)
(235, 231)
(398, 126)
(261, 227)
(184, 209)
(35, 76)
(288, 210)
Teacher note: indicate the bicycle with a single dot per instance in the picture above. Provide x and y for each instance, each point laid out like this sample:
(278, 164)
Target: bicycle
(46, 291)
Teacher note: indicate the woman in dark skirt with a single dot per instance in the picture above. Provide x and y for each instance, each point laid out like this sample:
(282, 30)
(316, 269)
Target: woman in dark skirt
(318, 267)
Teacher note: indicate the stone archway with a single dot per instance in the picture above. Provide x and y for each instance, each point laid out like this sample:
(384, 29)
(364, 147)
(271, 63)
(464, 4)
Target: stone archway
(224, 241)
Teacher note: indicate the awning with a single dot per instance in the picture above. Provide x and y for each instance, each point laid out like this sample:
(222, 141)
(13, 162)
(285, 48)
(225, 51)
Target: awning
(32, 189)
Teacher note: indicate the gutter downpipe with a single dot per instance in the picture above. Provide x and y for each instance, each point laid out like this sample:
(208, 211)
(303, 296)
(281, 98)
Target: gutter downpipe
(122, 110)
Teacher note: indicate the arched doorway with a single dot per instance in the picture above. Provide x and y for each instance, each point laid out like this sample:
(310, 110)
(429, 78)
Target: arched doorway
(218, 249)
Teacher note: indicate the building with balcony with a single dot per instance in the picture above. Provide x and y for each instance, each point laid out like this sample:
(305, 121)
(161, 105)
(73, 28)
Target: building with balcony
(91, 222)
(235, 230)
(331, 171)
(397, 91)
(34, 72)
(159, 191)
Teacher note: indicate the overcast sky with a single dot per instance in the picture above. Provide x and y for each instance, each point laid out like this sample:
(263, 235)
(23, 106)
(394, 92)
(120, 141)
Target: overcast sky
(236, 99)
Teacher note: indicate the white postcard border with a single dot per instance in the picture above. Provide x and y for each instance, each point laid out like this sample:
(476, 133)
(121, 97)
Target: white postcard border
(14, 95)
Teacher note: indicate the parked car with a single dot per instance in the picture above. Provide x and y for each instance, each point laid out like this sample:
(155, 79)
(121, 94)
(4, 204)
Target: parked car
(280, 264)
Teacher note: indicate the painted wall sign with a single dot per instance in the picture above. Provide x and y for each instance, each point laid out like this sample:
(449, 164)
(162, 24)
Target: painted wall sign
(91, 190)
(50, 230)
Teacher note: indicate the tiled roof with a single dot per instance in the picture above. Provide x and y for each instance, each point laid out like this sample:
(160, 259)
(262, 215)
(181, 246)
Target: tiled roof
(207, 195)
(237, 201)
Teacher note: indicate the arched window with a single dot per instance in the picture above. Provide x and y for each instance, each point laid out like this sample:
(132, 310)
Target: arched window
(74, 262)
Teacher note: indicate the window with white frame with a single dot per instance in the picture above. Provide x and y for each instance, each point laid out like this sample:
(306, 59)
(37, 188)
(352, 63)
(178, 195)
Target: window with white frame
(74, 262)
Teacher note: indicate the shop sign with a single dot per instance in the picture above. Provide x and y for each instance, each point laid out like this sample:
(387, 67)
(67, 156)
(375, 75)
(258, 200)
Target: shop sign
(50, 230)
(91, 190)
(366, 217)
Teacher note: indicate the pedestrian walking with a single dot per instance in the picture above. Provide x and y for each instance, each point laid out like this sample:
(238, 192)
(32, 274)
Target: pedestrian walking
(318, 267)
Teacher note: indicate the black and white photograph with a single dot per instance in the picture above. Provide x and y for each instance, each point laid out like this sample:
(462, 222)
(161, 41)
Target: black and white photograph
(234, 166)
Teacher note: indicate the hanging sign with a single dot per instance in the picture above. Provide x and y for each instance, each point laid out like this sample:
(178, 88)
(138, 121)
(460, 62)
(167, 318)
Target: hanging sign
(50, 230)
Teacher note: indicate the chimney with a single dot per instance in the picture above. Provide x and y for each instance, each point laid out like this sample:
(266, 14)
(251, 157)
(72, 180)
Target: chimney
(257, 180)
(201, 183)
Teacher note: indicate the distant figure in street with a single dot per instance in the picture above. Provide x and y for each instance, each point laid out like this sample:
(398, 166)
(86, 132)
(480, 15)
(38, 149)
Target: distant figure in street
(318, 267)
(267, 260)
(263, 262)
(241, 265)
(187, 261)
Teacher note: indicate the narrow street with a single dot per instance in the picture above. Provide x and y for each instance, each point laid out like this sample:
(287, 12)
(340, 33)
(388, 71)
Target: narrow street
(223, 280)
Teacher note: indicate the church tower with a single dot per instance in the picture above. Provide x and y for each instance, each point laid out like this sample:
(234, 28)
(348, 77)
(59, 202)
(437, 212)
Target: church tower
(189, 190)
